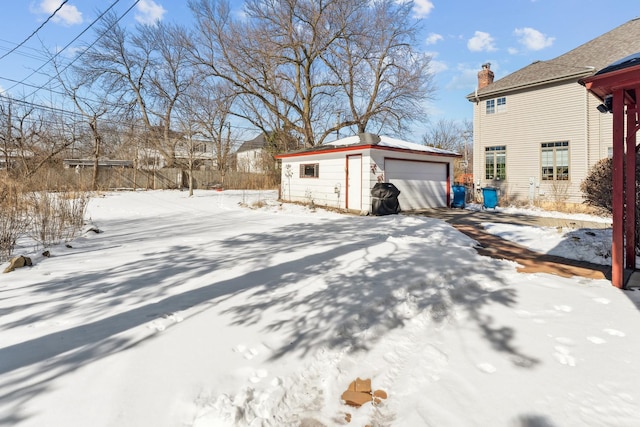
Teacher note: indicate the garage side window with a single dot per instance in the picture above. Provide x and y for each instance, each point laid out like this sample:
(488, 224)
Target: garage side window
(495, 163)
(309, 170)
(554, 159)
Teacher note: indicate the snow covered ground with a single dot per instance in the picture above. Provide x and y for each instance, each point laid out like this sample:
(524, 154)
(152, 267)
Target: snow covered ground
(216, 310)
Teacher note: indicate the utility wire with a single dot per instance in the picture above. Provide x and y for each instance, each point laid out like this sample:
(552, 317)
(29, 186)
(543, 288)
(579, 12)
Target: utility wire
(68, 44)
(81, 117)
(27, 52)
(87, 49)
(36, 30)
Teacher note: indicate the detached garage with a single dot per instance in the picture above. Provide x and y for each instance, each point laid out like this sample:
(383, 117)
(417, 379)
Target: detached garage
(342, 173)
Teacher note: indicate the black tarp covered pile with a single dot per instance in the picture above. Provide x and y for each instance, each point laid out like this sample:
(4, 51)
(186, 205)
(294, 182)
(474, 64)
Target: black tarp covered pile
(384, 199)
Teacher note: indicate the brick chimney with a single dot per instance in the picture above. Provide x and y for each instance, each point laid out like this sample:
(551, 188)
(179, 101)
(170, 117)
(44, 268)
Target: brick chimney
(485, 77)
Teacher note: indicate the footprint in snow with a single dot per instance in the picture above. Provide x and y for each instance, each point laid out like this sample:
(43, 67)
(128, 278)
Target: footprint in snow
(602, 300)
(614, 332)
(565, 308)
(487, 368)
(162, 323)
(247, 353)
(563, 356)
(596, 340)
(258, 376)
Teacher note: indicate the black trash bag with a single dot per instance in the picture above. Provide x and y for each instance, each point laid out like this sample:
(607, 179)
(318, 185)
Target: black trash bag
(384, 199)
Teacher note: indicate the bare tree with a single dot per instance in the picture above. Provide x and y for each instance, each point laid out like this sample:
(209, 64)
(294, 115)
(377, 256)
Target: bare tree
(31, 136)
(384, 79)
(453, 136)
(147, 70)
(210, 104)
(296, 63)
(91, 111)
(189, 144)
(446, 134)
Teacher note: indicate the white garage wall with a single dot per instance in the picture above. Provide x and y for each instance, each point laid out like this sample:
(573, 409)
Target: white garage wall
(332, 176)
(321, 190)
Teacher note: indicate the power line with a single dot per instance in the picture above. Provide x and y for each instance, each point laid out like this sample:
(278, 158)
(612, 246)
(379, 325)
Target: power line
(34, 54)
(79, 116)
(68, 44)
(36, 30)
(88, 47)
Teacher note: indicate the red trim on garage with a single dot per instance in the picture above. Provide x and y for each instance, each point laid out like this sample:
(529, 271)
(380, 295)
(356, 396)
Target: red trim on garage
(362, 147)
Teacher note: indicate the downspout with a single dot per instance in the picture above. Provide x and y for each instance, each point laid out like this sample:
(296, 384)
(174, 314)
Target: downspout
(478, 157)
(586, 129)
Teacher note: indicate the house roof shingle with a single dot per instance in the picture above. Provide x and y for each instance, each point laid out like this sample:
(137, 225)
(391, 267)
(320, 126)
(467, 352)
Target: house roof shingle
(253, 144)
(583, 61)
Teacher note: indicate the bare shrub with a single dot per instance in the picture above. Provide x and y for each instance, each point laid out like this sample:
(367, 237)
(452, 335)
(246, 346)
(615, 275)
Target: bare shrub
(597, 188)
(13, 216)
(72, 207)
(559, 194)
(45, 229)
(55, 217)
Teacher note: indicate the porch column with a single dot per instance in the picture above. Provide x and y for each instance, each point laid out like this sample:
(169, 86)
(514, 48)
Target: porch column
(617, 244)
(630, 186)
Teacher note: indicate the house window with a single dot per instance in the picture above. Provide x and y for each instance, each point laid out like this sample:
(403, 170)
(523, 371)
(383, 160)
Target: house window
(495, 163)
(498, 105)
(555, 161)
(491, 106)
(310, 170)
(610, 152)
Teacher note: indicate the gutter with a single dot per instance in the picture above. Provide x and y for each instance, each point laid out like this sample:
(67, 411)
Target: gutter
(476, 98)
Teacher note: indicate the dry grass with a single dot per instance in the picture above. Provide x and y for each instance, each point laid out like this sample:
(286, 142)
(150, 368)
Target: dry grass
(47, 217)
(14, 217)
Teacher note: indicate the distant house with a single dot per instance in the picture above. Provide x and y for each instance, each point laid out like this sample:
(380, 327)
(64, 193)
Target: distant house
(342, 173)
(537, 131)
(252, 155)
(11, 157)
(102, 163)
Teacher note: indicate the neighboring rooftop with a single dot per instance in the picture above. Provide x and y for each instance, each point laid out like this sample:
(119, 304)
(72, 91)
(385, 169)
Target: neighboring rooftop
(583, 61)
(253, 144)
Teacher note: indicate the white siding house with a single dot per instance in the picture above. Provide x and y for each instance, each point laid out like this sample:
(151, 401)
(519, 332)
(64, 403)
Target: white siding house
(341, 174)
(251, 156)
(538, 131)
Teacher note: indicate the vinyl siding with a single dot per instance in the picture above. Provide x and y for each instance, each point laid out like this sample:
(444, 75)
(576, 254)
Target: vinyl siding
(322, 189)
(333, 174)
(250, 160)
(600, 127)
(551, 113)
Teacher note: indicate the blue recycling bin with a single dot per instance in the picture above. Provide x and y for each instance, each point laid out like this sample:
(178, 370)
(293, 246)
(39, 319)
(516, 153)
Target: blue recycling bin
(489, 197)
(459, 196)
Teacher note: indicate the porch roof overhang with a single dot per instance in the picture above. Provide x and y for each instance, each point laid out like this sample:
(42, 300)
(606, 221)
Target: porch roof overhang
(621, 82)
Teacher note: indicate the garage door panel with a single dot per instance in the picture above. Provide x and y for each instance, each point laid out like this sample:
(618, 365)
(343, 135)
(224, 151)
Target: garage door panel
(422, 184)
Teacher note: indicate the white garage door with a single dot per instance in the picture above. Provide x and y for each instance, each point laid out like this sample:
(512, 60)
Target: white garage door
(421, 184)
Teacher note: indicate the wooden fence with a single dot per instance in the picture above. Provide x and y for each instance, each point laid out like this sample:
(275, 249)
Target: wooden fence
(131, 179)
